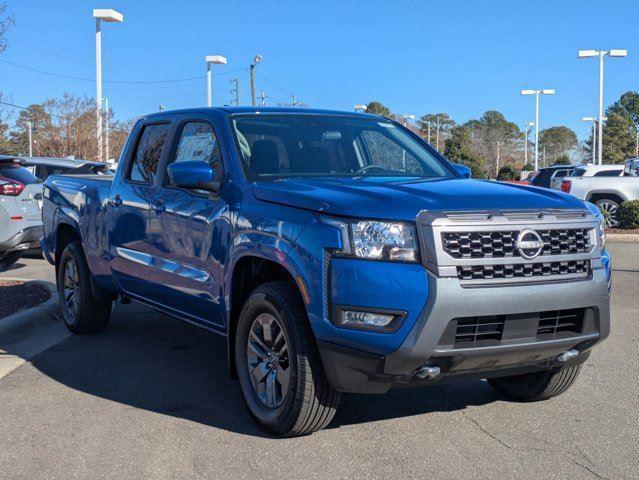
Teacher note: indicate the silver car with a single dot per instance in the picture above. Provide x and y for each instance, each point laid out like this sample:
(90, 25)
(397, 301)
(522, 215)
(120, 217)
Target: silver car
(20, 211)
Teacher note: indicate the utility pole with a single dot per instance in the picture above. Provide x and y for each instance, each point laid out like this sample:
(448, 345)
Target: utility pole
(527, 126)
(497, 161)
(637, 145)
(294, 102)
(236, 91)
(256, 61)
(437, 135)
(428, 123)
(106, 129)
(263, 98)
(30, 133)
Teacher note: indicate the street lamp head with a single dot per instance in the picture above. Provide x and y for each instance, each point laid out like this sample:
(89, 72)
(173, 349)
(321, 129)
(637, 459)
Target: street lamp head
(216, 59)
(588, 119)
(530, 124)
(108, 15)
(548, 91)
(408, 117)
(360, 107)
(618, 53)
(258, 59)
(587, 53)
(527, 92)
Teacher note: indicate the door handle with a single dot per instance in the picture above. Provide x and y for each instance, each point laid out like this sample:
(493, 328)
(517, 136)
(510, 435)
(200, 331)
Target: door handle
(116, 201)
(158, 206)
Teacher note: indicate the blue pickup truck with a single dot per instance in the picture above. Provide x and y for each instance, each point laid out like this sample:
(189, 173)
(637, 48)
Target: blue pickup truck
(336, 252)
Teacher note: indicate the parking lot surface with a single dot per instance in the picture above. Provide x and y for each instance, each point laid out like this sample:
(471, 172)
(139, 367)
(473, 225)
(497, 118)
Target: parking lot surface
(150, 398)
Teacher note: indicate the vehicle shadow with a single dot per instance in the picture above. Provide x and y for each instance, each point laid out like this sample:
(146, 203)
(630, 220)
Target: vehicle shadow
(151, 362)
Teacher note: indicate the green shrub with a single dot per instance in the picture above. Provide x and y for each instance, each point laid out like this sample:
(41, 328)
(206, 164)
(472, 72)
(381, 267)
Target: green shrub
(628, 214)
(507, 172)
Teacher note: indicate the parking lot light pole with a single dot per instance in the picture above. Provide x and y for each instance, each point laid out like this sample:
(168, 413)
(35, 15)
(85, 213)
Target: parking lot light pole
(30, 134)
(527, 126)
(536, 93)
(601, 54)
(101, 15)
(211, 60)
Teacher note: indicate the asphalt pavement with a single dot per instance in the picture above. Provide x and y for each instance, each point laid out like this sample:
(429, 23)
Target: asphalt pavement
(150, 398)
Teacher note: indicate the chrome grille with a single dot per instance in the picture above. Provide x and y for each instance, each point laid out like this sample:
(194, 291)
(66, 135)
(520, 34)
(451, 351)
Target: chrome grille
(523, 270)
(500, 244)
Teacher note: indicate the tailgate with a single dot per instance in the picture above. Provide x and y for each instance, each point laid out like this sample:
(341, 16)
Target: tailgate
(30, 202)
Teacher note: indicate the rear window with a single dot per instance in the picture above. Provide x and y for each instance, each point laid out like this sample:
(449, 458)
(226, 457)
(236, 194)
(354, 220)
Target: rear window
(18, 173)
(608, 173)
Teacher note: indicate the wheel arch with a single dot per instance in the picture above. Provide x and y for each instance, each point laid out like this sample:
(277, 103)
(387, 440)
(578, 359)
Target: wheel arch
(615, 196)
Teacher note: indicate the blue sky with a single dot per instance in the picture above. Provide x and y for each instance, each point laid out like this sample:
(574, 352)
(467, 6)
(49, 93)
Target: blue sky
(460, 57)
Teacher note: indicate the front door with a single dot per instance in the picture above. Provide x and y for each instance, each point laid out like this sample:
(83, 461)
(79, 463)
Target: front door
(129, 211)
(189, 231)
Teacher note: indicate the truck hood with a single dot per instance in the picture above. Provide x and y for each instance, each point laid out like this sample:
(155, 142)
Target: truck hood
(403, 199)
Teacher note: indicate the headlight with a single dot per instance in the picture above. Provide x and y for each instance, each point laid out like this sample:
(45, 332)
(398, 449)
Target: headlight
(378, 240)
(594, 209)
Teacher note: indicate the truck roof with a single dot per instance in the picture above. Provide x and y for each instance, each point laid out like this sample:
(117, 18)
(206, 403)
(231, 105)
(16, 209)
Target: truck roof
(230, 110)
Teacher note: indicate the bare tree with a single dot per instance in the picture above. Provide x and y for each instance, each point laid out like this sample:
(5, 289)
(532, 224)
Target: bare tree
(6, 21)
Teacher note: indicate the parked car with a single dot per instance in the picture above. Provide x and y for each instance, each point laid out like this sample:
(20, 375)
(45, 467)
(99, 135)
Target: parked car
(589, 171)
(606, 192)
(42, 167)
(20, 211)
(335, 252)
(544, 176)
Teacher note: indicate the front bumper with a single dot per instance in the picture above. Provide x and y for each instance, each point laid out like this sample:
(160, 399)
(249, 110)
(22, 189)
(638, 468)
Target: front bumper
(351, 370)
(25, 239)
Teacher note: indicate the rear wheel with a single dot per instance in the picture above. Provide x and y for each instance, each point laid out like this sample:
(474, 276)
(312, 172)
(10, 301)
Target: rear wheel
(9, 258)
(609, 209)
(533, 387)
(81, 310)
(279, 369)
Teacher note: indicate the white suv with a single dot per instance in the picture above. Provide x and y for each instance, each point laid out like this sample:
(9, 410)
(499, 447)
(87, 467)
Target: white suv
(20, 211)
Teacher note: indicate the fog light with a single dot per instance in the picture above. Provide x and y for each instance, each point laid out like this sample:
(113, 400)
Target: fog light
(369, 319)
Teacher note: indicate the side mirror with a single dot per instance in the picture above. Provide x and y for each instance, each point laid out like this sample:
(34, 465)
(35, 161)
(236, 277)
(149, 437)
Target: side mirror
(193, 174)
(463, 170)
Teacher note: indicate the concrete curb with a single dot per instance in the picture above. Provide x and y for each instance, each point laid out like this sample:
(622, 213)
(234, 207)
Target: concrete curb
(622, 237)
(20, 323)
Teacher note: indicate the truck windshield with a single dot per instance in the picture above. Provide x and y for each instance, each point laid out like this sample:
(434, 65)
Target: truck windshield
(274, 146)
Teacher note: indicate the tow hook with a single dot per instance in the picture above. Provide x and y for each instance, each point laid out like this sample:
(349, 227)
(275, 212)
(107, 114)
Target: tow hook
(567, 355)
(428, 371)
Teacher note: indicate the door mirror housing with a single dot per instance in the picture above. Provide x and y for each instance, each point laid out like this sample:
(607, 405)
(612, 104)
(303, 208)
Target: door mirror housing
(463, 170)
(193, 174)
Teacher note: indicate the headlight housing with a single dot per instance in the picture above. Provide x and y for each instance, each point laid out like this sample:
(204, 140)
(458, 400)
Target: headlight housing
(377, 240)
(594, 209)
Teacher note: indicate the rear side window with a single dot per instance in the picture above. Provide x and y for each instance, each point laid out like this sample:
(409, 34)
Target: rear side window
(578, 172)
(18, 174)
(608, 173)
(147, 155)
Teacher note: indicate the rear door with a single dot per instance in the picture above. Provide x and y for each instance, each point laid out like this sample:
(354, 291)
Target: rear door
(129, 209)
(189, 231)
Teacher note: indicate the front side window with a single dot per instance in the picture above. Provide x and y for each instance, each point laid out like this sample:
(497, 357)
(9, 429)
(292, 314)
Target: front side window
(274, 146)
(198, 142)
(147, 155)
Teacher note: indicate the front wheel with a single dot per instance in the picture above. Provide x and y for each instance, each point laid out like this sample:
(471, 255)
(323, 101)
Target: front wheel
(533, 387)
(609, 210)
(278, 365)
(81, 310)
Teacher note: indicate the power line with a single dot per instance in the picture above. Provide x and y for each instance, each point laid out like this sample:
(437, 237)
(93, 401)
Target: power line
(145, 82)
(52, 114)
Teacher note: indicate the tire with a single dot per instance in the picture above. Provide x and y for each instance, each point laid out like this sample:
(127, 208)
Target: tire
(609, 208)
(8, 259)
(534, 387)
(308, 403)
(81, 310)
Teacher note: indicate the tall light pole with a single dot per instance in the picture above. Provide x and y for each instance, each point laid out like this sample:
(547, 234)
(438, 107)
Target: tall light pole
(594, 134)
(601, 54)
(437, 135)
(258, 59)
(106, 129)
(527, 126)
(30, 134)
(407, 119)
(536, 93)
(211, 60)
(101, 15)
